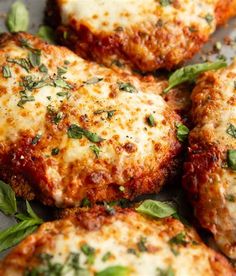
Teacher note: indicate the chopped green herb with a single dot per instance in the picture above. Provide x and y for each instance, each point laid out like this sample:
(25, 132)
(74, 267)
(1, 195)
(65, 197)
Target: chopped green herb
(110, 113)
(191, 72)
(36, 139)
(63, 94)
(127, 87)
(58, 117)
(209, 18)
(182, 132)
(151, 120)
(132, 251)
(18, 18)
(55, 151)
(114, 271)
(47, 34)
(230, 198)
(85, 202)
(34, 58)
(165, 3)
(6, 72)
(178, 239)
(62, 83)
(231, 159)
(24, 99)
(61, 71)
(106, 256)
(96, 150)
(142, 244)
(93, 80)
(43, 68)
(89, 252)
(231, 130)
(77, 132)
(48, 267)
(22, 62)
(109, 208)
(156, 209)
(167, 272)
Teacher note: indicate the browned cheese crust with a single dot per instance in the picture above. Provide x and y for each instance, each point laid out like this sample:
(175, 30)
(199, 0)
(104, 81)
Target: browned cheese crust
(37, 155)
(144, 35)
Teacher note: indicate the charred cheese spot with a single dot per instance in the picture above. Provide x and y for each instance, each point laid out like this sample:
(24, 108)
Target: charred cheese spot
(138, 243)
(62, 107)
(209, 178)
(144, 35)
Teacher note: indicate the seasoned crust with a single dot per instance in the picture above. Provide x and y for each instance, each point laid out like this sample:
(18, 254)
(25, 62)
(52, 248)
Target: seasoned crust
(139, 157)
(147, 36)
(118, 233)
(208, 179)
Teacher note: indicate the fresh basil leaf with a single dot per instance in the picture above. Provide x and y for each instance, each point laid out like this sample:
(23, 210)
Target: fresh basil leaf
(18, 18)
(191, 72)
(156, 209)
(179, 239)
(47, 34)
(231, 159)
(7, 199)
(114, 271)
(182, 132)
(15, 238)
(14, 234)
(31, 212)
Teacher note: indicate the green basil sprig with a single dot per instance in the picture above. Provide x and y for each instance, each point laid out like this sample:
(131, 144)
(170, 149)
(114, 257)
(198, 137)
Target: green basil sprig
(156, 209)
(18, 18)
(47, 34)
(191, 72)
(27, 224)
(114, 271)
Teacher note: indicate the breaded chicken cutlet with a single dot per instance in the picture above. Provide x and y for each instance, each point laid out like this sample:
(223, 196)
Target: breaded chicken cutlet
(210, 176)
(71, 129)
(126, 243)
(143, 34)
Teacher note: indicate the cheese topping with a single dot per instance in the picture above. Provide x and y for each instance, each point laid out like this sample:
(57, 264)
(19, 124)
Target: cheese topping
(108, 15)
(108, 110)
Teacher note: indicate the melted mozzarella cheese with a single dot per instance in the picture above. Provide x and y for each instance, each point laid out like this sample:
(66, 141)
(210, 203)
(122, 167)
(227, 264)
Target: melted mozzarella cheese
(128, 140)
(107, 15)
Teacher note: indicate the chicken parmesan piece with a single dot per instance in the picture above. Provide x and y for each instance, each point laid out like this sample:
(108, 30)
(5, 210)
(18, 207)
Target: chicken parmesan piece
(144, 35)
(210, 176)
(71, 129)
(96, 243)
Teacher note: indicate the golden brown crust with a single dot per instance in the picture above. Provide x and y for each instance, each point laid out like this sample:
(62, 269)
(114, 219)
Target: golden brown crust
(208, 179)
(34, 172)
(94, 220)
(146, 47)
